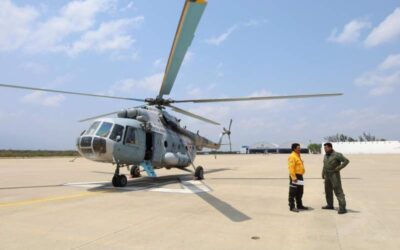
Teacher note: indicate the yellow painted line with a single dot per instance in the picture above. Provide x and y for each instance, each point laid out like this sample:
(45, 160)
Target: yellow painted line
(50, 199)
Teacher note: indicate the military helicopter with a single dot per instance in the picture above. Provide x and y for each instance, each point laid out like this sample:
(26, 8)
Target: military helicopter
(147, 136)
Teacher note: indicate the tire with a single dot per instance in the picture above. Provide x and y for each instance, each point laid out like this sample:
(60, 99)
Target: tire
(199, 173)
(135, 171)
(122, 181)
(115, 181)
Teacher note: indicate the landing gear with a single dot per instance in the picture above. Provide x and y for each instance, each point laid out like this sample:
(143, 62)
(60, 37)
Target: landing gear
(199, 173)
(119, 180)
(135, 171)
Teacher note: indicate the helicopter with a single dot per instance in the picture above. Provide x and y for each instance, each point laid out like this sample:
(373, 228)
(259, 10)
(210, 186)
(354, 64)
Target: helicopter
(148, 136)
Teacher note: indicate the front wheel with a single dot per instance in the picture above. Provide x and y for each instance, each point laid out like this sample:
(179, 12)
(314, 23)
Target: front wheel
(119, 181)
(199, 173)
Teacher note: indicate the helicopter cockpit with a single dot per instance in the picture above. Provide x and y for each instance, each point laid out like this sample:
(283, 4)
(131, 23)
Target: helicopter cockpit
(96, 143)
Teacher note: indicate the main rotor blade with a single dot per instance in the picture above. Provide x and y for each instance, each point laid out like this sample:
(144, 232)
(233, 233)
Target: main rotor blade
(98, 116)
(257, 98)
(69, 92)
(107, 114)
(190, 18)
(176, 109)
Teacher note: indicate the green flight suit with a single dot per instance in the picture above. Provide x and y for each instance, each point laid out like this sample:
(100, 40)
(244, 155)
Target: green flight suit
(333, 163)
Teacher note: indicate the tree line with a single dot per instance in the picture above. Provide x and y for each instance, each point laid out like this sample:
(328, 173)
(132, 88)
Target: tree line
(315, 148)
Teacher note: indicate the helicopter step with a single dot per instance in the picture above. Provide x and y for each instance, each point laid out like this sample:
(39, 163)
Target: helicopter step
(148, 168)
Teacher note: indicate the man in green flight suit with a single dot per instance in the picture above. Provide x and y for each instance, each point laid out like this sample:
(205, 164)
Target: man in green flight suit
(333, 163)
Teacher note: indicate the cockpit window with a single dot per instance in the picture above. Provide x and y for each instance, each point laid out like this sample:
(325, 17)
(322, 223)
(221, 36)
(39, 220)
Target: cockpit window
(92, 128)
(104, 129)
(117, 131)
(130, 137)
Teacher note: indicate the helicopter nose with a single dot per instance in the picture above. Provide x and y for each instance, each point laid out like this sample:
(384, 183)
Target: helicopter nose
(99, 145)
(89, 145)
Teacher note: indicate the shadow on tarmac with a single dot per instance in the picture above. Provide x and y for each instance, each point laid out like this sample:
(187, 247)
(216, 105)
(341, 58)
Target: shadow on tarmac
(144, 183)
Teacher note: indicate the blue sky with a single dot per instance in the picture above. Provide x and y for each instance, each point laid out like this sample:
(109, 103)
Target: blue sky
(241, 48)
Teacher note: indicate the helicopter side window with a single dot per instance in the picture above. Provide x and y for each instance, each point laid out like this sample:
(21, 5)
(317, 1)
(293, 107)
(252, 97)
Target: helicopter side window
(92, 128)
(130, 137)
(104, 129)
(117, 131)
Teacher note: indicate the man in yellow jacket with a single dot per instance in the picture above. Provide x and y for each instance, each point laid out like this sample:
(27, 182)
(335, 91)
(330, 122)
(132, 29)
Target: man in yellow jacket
(296, 185)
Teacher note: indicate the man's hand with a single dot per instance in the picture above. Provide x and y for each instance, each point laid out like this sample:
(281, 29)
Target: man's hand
(337, 170)
(294, 181)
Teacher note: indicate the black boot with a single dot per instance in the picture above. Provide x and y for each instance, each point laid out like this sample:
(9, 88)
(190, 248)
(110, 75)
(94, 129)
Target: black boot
(293, 209)
(342, 211)
(301, 207)
(328, 207)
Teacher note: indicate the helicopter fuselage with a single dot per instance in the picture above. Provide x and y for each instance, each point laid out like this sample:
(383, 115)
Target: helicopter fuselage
(141, 134)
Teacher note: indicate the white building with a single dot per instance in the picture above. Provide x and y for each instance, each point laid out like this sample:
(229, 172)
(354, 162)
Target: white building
(370, 147)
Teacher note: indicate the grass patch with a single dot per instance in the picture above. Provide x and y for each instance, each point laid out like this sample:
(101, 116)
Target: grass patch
(38, 153)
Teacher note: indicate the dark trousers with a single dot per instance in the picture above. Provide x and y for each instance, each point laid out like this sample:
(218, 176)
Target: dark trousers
(295, 192)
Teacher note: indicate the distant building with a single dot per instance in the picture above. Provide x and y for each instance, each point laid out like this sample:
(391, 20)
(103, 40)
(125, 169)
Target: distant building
(272, 148)
(244, 150)
(370, 147)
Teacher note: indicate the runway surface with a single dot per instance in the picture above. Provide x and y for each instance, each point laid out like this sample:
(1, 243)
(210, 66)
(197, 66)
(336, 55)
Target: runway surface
(57, 203)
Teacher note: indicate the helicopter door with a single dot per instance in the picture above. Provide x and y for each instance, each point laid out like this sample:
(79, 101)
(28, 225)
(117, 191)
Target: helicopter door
(158, 152)
(131, 150)
(149, 146)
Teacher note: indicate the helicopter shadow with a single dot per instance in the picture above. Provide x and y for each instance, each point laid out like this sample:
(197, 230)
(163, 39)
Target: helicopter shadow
(188, 185)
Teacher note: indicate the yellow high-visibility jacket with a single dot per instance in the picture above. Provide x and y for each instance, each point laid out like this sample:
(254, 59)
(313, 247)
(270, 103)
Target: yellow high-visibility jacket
(296, 165)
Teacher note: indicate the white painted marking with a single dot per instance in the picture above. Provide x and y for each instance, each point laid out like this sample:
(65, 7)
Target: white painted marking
(188, 186)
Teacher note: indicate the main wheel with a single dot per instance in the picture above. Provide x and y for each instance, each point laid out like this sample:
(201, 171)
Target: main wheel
(199, 173)
(135, 171)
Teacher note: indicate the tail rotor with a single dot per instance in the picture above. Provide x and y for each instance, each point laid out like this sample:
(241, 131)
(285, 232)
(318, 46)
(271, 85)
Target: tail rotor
(228, 133)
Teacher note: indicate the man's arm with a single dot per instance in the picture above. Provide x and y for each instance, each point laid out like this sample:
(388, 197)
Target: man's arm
(343, 162)
(292, 173)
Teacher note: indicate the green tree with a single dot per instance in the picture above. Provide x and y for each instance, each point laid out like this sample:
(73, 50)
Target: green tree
(315, 148)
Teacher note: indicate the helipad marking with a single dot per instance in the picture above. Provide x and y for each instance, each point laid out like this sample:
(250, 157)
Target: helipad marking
(188, 186)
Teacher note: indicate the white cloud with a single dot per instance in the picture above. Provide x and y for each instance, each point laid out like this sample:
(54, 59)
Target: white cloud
(387, 31)
(43, 99)
(75, 17)
(109, 36)
(135, 87)
(129, 6)
(384, 79)
(350, 33)
(391, 62)
(73, 30)
(221, 38)
(15, 24)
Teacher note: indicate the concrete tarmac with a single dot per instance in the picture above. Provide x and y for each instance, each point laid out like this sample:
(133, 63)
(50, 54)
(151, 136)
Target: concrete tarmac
(57, 203)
